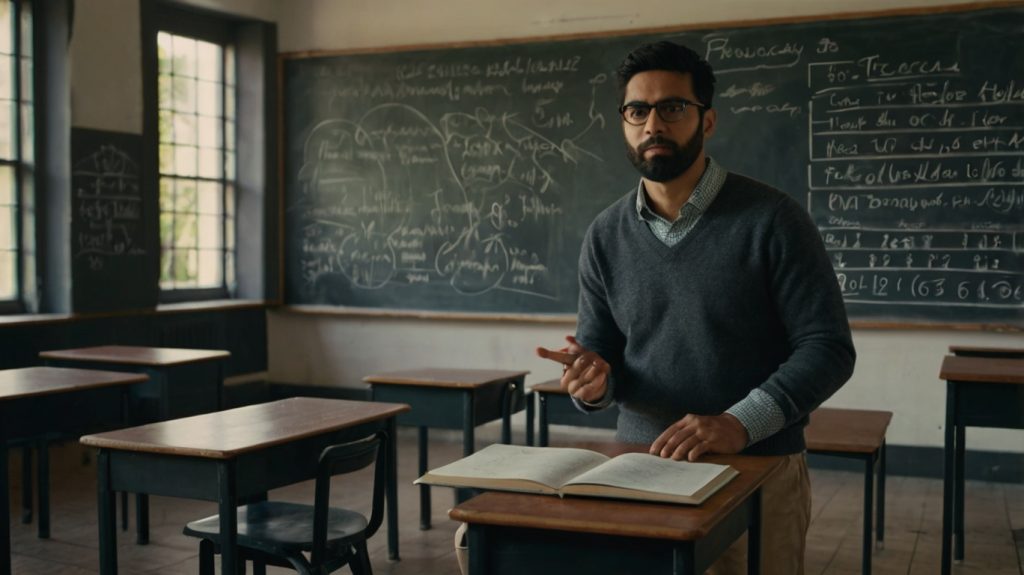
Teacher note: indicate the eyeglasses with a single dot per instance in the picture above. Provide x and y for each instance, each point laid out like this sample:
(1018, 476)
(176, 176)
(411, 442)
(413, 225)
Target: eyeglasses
(673, 110)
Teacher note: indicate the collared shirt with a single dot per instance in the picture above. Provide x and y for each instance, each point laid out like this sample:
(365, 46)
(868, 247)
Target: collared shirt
(758, 412)
(671, 233)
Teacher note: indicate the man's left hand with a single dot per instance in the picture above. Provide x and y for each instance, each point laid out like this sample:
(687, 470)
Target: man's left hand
(695, 435)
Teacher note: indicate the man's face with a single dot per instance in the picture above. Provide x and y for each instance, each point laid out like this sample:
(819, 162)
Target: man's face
(662, 151)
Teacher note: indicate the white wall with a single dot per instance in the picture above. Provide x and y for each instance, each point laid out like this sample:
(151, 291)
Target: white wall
(896, 370)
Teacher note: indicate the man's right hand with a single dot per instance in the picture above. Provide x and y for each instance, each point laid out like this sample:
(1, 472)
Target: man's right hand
(585, 374)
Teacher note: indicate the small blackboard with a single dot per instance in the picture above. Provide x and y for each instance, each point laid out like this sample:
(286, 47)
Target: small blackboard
(110, 256)
(462, 179)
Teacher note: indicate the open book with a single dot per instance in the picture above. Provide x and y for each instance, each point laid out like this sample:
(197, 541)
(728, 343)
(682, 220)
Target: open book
(570, 471)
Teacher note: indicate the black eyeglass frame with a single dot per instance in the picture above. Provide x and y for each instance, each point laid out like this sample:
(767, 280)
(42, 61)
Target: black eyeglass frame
(657, 108)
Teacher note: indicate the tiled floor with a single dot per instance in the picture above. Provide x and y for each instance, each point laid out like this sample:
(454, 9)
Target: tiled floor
(913, 523)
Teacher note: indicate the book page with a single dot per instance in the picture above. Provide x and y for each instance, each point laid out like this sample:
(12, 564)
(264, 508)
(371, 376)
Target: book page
(549, 466)
(645, 472)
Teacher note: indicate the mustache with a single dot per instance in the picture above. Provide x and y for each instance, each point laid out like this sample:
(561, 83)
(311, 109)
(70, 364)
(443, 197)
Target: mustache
(657, 141)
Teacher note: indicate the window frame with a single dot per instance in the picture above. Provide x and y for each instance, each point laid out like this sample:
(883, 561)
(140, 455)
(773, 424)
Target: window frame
(16, 303)
(200, 25)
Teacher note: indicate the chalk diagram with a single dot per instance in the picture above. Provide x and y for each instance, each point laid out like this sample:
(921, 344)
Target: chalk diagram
(396, 198)
(108, 205)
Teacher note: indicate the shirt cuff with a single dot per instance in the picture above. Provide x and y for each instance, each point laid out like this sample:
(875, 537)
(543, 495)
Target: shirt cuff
(759, 414)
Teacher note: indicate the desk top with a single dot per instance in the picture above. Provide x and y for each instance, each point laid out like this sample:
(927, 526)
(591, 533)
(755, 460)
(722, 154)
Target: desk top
(33, 381)
(847, 430)
(550, 386)
(443, 377)
(982, 351)
(982, 369)
(227, 434)
(618, 517)
(136, 355)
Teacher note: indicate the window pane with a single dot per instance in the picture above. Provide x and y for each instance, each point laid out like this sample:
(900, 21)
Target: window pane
(166, 126)
(210, 232)
(6, 186)
(184, 94)
(164, 51)
(186, 199)
(184, 160)
(6, 126)
(166, 159)
(229, 269)
(166, 231)
(209, 61)
(166, 268)
(229, 103)
(6, 78)
(209, 99)
(229, 65)
(185, 231)
(185, 129)
(7, 228)
(8, 272)
(27, 93)
(210, 263)
(229, 233)
(229, 200)
(210, 163)
(166, 194)
(6, 26)
(229, 135)
(184, 56)
(209, 198)
(164, 96)
(209, 132)
(229, 165)
(26, 28)
(186, 263)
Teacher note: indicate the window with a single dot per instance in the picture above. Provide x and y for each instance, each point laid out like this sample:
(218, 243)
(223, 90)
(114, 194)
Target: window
(16, 145)
(196, 107)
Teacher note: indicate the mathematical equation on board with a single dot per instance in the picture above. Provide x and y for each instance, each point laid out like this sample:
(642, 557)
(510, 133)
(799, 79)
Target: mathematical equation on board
(108, 206)
(916, 176)
(471, 198)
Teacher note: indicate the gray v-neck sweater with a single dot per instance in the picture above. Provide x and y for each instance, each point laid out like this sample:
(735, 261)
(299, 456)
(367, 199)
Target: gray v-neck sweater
(748, 299)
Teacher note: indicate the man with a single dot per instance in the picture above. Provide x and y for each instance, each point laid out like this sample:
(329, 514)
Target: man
(709, 311)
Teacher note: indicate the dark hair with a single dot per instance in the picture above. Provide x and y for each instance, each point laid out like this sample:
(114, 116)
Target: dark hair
(665, 55)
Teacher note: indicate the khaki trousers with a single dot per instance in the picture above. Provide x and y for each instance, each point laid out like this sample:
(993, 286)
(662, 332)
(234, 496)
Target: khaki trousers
(785, 515)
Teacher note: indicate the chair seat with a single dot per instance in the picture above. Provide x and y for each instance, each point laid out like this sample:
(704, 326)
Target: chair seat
(282, 524)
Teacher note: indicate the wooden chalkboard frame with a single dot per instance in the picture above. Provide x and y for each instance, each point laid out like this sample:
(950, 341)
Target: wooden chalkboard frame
(368, 312)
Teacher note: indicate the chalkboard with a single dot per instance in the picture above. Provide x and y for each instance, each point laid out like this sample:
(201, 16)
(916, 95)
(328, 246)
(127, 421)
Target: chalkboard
(462, 179)
(110, 255)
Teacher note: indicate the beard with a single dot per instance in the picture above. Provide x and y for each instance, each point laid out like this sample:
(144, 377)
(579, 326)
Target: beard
(665, 168)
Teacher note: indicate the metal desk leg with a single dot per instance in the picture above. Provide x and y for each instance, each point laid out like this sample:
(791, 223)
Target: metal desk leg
(529, 417)
(124, 511)
(542, 424)
(43, 528)
(880, 499)
(392, 489)
(958, 494)
(424, 489)
(142, 519)
(228, 509)
(5, 513)
(106, 515)
(947, 479)
(754, 535)
(869, 500)
(468, 439)
(683, 559)
(506, 413)
(26, 484)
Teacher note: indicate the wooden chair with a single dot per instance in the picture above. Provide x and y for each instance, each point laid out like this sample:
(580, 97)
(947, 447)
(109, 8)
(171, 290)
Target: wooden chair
(277, 532)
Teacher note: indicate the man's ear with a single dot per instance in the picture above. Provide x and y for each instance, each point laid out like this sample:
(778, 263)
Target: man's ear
(710, 121)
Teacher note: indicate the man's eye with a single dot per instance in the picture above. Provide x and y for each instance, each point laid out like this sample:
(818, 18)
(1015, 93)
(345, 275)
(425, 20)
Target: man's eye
(673, 108)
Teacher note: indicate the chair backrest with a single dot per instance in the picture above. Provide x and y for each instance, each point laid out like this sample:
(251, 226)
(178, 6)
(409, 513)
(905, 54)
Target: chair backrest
(347, 458)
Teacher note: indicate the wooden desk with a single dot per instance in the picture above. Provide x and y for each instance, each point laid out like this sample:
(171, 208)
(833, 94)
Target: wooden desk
(555, 406)
(978, 351)
(857, 434)
(983, 392)
(514, 533)
(234, 455)
(37, 401)
(182, 382)
(451, 399)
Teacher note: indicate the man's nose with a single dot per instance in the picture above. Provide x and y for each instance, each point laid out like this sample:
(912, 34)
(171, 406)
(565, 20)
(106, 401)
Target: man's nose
(654, 123)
